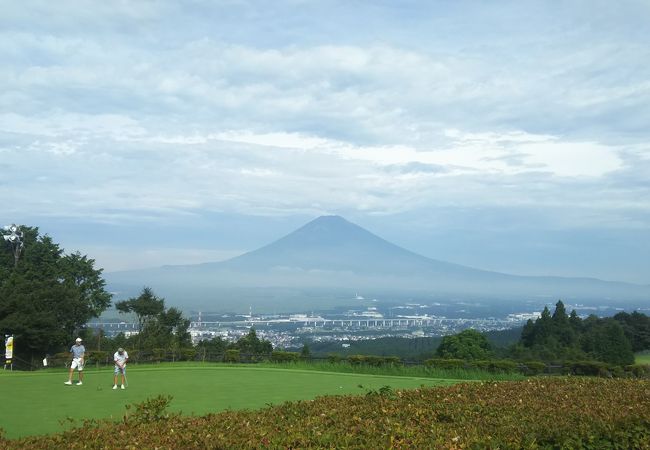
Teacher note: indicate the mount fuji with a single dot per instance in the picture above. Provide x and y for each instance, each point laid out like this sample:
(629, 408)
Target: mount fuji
(324, 261)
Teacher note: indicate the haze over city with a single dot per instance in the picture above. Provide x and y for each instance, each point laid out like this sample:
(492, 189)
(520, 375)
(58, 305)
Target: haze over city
(501, 136)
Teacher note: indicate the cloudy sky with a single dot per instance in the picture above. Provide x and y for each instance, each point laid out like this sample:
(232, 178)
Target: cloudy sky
(508, 135)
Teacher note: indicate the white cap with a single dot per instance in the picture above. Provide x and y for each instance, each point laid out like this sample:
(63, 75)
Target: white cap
(78, 339)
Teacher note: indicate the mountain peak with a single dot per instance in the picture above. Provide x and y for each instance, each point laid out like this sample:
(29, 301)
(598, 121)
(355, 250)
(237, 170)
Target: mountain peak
(330, 230)
(332, 243)
(329, 220)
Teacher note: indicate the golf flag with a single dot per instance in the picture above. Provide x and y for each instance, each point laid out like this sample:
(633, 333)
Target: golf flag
(9, 349)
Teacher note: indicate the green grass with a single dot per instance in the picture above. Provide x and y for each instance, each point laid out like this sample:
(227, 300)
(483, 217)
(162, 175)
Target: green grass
(37, 402)
(642, 358)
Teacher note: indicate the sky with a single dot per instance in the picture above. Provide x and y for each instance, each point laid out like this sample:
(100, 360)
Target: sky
(507, 135)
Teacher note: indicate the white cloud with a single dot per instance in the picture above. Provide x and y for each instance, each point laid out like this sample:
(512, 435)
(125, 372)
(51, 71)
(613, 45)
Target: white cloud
(116, 258)
(463, 153)
(154, 110)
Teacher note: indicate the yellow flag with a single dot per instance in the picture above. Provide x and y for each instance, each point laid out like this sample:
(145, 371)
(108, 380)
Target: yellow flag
(9, 349)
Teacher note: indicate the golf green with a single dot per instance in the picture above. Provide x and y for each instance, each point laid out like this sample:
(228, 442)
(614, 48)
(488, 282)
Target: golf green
(39, 402)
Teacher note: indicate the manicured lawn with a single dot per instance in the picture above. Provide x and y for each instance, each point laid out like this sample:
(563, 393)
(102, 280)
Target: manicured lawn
(37, 402)
(642, 358)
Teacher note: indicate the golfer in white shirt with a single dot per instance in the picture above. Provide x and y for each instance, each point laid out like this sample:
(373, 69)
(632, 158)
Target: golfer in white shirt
(120, 357)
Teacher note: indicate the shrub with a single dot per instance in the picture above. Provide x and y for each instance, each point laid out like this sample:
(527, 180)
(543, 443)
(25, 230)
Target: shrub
(595, 413)
(158, 354)
(593, 368)
(188, 354)
(334, 358)
(150, 410)
(446, 363)
(392, 360)
(638, 370)
(356, 360)
(98, 357)
(231, 356)
(279, 356)
(532, 367)
(373, 361)
(496, 366)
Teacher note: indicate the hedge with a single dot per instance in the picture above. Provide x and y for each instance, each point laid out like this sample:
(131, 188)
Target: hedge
(540, 413)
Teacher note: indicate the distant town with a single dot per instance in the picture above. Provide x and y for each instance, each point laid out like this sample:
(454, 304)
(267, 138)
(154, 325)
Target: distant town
(292, 330)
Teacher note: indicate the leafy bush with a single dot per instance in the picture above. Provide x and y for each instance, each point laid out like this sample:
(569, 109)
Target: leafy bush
(159, 354)
(532, 367)
(496, 366)
(595, 413)
(446, 363)
(374, 361)
(593, 368)
(638, 370)
(392, 360)
(184, 354)
(278, 356)
(98, 356)
(150, 410)
(334, 358)
(231, 356)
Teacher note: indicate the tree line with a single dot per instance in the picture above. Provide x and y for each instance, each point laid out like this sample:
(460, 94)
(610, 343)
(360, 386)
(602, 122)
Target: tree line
(560, 337)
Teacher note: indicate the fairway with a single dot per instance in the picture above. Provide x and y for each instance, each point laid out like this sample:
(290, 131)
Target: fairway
(36, 402)
(642, 358)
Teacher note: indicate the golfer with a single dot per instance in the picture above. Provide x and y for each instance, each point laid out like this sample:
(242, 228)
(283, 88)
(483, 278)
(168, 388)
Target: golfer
(78, 351)
(120, 357)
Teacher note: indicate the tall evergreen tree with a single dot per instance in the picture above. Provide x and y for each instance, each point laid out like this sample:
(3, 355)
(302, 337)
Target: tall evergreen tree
(562, 330)
(560, 317)
(575, 322)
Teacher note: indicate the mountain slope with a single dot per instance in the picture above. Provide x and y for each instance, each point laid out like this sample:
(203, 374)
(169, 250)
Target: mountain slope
(334, 244)
(331, 255)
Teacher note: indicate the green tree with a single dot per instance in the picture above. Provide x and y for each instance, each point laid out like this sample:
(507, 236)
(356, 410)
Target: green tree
(167, 330)
(544, 326)
(560, 337)
(146, 307)
(468, 344)
(637, 329)
(562, 330)
(604, 340)
(528, 335)
(251, 344)
(575, 322)
(212, 348)
(159, 327)
(48, 296)
(559, 316)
